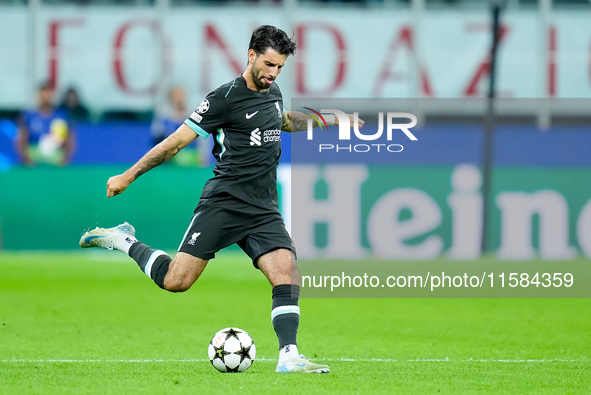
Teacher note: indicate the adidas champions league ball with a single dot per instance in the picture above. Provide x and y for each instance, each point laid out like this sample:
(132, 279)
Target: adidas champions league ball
(231, 350)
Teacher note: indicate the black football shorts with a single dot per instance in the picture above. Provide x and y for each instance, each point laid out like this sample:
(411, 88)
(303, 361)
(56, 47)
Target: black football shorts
(221, 222)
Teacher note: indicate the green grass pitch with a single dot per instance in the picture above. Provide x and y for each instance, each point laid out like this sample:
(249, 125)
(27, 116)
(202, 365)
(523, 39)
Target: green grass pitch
(91, 322)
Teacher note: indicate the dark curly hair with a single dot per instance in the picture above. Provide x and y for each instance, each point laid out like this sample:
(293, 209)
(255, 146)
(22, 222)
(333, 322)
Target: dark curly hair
(267, 36)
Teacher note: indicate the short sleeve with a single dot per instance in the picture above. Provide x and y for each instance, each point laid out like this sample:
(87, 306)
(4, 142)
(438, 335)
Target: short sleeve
(209, 116)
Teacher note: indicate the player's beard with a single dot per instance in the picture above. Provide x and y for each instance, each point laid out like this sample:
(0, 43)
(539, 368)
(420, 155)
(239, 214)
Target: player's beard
(258, 81)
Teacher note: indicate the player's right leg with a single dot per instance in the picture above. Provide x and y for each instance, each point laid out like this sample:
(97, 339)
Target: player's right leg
(280, 267)
(175, 275)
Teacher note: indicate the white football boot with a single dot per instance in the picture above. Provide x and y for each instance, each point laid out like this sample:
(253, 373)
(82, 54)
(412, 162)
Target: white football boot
(105, 237)
(301, 364)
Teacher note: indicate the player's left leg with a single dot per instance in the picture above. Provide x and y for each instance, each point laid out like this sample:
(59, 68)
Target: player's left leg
(172, 274)
(280, 267)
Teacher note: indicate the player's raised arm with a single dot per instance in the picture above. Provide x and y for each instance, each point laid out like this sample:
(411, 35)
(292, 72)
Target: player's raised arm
(297, 121)
(156, 156)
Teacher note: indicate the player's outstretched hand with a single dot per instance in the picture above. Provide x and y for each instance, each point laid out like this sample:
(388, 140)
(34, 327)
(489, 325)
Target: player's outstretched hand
(360, 121)
(116, 185)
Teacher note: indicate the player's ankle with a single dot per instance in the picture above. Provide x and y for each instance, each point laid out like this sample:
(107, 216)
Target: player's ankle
(287, 352)
(124, 242)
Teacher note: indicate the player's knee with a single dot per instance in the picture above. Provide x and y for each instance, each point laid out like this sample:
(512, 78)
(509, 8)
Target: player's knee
(176, 284)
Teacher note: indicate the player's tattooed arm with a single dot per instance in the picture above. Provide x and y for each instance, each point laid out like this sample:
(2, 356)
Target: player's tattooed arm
(155, 157)
(295, 121)
(158, 155)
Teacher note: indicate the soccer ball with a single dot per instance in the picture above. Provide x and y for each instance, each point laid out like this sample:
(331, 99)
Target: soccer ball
(231, 350)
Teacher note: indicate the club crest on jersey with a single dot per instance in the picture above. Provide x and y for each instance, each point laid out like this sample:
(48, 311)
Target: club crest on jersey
(203, 107)
(194, 237)
(278, 109)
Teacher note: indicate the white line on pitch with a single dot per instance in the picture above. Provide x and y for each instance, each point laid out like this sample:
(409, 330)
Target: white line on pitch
(551, 360)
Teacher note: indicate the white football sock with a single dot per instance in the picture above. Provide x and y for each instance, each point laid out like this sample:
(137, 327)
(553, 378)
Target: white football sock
(288, 351)
(124, 242)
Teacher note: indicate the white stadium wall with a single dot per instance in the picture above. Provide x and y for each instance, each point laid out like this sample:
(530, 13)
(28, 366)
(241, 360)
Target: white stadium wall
(122, 57)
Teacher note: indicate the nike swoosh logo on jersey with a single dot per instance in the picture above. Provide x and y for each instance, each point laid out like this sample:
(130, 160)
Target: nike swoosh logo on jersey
(248, 116)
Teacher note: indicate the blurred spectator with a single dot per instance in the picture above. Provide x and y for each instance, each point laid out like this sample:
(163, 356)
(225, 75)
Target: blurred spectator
(169, 120)
(73, 107)
(7, 134)
(44, 134)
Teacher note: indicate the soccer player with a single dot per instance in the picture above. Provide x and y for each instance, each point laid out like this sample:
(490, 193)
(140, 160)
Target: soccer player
(239, 204)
